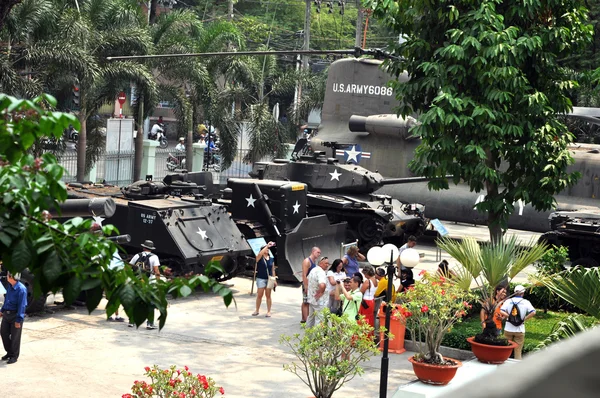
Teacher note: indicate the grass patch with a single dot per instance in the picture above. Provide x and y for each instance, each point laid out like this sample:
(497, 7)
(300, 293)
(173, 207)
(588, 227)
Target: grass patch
(536, 330)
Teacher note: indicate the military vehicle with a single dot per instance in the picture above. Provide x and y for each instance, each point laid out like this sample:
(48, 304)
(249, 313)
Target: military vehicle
(579, 232)
(346, 192)
(188, 230)
(359, 109)
(276, 210)
(101, 207)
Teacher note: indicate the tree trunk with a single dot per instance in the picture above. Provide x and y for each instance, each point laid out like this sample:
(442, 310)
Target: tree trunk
(82, 140)
(492, 192)
(230, 10)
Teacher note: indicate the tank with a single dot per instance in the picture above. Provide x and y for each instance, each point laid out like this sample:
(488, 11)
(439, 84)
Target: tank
(579, 233)
(188, 230)
(276, 210)
(347, 193)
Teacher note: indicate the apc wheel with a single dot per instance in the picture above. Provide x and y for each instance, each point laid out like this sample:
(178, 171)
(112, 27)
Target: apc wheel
(586, 262)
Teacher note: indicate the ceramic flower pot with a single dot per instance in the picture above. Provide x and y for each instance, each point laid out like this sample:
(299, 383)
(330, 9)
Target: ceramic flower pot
(491, 353)
(397, 329)
(439, 375)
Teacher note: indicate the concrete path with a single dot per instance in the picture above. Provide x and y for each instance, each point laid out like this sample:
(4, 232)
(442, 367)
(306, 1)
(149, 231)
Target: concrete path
(71, 353)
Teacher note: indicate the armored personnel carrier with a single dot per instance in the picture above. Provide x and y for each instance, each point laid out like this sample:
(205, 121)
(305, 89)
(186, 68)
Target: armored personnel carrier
(188, 230)
(579, 232)
(347, 193)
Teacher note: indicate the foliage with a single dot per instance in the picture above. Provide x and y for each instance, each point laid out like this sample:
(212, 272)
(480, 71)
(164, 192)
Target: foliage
(565, 328)
(65, 256)
(579, 286)
(538, 329)
(552, 262)
(431, 308)
(490, 265)
(330, 353)
(173, 382)
(487, 84)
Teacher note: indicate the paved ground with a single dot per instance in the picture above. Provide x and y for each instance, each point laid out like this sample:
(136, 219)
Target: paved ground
(71, 352)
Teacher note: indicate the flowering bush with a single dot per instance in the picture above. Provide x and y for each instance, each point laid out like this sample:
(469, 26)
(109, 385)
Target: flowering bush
(174, 383)
(430, 308)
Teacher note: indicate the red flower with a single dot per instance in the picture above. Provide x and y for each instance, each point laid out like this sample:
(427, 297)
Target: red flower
(193, 392)
(182, 395)
(442, 279)
(186, 368)
(467, 304)
(178, 372)
(147, 369)
(221, 390)
(172, 383)
(424, 308)
(408, 314)
(443, 292)
(205, 385)
(126, 396)
(423, 272)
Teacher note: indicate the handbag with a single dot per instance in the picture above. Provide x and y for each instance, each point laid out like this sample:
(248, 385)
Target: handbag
(272, 279)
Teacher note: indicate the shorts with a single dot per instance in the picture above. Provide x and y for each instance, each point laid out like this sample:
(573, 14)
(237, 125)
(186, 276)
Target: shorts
(261, 283)
(304, 296)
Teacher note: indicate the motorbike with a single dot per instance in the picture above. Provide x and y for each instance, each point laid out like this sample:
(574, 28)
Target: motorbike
(72, 134)
(158, 133)
(176, 161)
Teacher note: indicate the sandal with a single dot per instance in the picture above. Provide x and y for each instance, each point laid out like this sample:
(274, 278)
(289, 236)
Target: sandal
(255, 314)
(268, 316)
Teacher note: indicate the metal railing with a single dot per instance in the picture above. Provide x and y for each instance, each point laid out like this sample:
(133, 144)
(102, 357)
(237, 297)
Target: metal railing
(117, 167)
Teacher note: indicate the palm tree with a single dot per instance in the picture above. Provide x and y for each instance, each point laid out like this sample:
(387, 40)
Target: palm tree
(190, 83)
(490, 265)
(65, 44)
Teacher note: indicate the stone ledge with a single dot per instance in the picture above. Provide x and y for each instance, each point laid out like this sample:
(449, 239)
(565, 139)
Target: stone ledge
(461, 355)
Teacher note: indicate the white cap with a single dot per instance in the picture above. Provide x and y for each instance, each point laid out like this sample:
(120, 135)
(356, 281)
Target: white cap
(181, 139)
(519, 289)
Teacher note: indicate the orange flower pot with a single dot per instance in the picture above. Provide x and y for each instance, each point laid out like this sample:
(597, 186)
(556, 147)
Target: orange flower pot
(491, 353)
(397, 329)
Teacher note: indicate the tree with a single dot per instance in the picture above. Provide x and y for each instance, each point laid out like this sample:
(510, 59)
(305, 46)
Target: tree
(73, 256)
(486, 82)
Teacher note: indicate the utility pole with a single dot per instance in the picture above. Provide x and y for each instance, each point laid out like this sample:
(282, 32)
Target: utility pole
(138, 153)
(306, 45)
(359, 25)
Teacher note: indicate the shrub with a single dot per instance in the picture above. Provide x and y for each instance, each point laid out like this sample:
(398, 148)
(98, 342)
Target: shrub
(173, 382)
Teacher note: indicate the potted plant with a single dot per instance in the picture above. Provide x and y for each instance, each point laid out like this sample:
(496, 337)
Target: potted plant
(430, 308)
(174, 382)
(330, 353)
(491, 265)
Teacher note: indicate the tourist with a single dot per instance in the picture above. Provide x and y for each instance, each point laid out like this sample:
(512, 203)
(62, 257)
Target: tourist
(516, 311)
(350, 296)
(368, 288)
(499, 297)
(307, 265)
(410, 244)
(13, 314)
(335, 274)
(317, 298)
(445, 271)
(264, 269)
(351, 259)
(147, 263)
(407, 279)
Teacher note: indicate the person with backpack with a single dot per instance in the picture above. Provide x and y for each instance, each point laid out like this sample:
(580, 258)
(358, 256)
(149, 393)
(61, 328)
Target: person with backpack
(148, 263)
(516, 310)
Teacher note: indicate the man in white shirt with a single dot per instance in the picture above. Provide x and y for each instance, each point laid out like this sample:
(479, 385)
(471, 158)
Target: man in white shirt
(317, 298)
(410, 243)
(516, 332)
(180, 147)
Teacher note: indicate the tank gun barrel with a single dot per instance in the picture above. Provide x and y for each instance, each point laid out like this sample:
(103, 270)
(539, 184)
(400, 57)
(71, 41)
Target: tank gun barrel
(391, 125)
(264, 207)
(102, 207)
(405, 180)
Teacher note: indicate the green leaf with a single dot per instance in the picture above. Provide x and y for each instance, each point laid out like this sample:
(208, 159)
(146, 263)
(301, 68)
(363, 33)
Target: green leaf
(21, 256)
(93, 298)
(72, 289)
(52, 267)
(127, 295)
(5, 239)
(185, 291)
